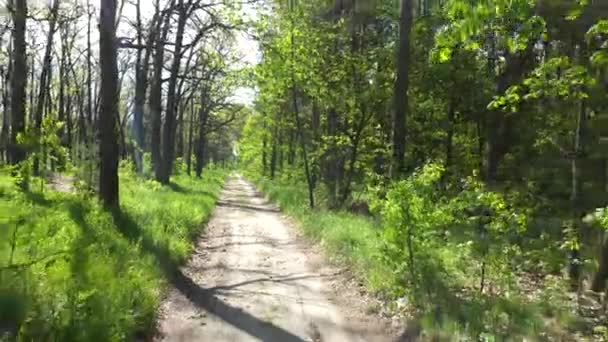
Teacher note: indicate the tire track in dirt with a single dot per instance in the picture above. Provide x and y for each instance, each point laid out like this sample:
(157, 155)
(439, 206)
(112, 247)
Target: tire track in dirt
(252, 279)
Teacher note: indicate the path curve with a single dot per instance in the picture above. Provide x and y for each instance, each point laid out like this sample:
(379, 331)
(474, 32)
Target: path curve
(252, 279)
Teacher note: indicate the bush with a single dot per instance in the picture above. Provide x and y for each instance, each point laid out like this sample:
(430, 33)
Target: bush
(453, 254)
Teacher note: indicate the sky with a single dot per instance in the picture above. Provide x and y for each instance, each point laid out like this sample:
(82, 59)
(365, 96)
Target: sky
(247, 47)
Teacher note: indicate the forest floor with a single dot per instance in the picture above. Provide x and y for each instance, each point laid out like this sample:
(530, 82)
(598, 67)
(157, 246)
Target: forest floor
(253, 277)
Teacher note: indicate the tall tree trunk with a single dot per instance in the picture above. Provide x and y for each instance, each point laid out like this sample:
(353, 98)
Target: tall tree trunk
(264, 147)
(201, 145)
(291, 151)
(273, 154)
(449, 139)
(32, 89)
(576, 195)
(172, 102)
(299, 126)
(201, 139)
(156, 92)
(190, 138)
(4, 135)
(332, 169)
(179, 149)
(183, 105)
(316, 137)
(108, 125)
(18, 84)
(89, 116)
(401, 99)
(63, 78)
(141, 84)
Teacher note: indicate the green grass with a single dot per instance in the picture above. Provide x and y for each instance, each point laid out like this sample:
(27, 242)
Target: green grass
(445, 309)
(348, 238)
(80, 273)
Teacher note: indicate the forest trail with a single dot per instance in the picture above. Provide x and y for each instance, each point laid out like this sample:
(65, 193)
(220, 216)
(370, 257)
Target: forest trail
(252, 279)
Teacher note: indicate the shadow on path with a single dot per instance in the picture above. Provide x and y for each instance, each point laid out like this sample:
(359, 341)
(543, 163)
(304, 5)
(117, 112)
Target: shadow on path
(235, 205)
(244, 321)
(205, 298)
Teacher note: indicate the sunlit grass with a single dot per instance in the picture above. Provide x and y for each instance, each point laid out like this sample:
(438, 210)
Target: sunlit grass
(445, 308)
(347, 238)
(80, 273)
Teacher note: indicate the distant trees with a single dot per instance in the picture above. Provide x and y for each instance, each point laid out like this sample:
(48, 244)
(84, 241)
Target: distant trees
(66, 103)
(506, 93)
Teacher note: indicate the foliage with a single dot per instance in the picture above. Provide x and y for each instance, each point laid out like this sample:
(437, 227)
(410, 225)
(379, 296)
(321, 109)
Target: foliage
(443, 288)
(504, 147)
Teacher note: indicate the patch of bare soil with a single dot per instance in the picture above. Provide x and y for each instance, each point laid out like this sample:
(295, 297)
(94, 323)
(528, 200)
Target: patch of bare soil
(61, 183)
(252, 278)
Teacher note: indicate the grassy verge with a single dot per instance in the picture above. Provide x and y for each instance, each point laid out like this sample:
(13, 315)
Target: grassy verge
(444, 308)
(70, 271)
(348, 238)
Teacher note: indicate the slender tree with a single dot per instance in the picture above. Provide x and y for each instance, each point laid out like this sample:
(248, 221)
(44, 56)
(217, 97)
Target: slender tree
(43, 83)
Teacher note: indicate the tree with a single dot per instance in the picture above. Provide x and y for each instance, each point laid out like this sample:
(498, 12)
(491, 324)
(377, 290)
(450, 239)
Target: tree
(401, 104)
(43, 83)
(18, 84)
(108, 125)
(166, 165)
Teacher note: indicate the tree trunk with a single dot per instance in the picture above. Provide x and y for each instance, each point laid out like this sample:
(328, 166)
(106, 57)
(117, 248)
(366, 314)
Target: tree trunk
(63, 77)
(108, 173)
(576, 192)
(200, 155)
(89, 116)
(190, 138)
(156, 92)
(18, 84)
(201, 139)
(172, 101)
(264, 147)
(4, 135)
(449, 139)
(599, 280)
(179, 149)
(273, 155)
(299, 127)
(141, 85)
(401, 100)
(332, 169)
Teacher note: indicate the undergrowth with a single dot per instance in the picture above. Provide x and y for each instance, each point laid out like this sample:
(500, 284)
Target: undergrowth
(454, 258)
(71, 271)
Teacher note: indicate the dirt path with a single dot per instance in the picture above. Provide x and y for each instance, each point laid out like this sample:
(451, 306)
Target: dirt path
(252, 279)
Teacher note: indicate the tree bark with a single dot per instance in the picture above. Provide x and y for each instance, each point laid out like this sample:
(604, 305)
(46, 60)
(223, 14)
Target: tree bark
(18, 84)
(576, 192)
(141, 85)
(156, 93)
(89, 113)
(109, 149)
(401, 100)
(273, 154)
(4, 134)
(202, 131)
(63, 77)
(169, 127)
(190, 139)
